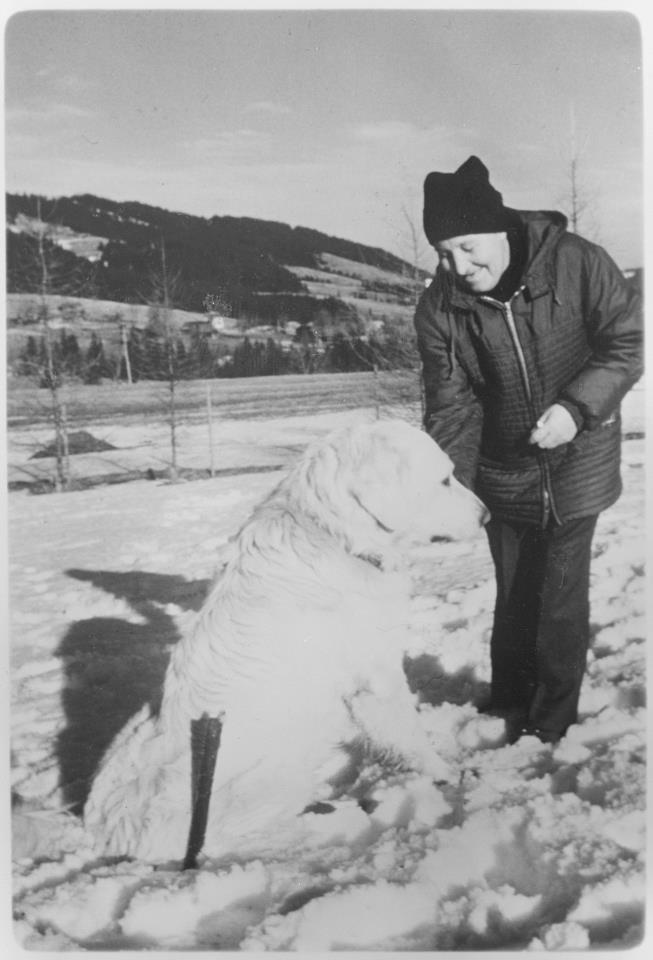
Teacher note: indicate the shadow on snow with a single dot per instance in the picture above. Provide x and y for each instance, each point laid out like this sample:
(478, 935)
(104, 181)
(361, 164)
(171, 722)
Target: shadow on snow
(114, 666)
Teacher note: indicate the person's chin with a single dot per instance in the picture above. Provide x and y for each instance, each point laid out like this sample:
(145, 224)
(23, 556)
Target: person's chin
(482, 285)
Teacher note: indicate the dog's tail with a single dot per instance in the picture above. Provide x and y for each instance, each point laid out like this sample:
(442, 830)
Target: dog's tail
(205, 742)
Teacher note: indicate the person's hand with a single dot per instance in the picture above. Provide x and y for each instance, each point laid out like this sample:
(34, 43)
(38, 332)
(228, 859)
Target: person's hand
(555, 426)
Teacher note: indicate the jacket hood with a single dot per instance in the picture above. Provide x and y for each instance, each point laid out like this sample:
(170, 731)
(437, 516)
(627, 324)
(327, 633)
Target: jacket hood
(543, 230)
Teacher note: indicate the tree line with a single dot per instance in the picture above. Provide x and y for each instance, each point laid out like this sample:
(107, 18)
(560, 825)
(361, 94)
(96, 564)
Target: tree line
(148, 354)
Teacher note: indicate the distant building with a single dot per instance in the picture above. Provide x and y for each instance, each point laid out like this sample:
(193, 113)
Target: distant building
(261, 329)
(374, 326)
(210, 325)
(221, 324)
(635, 278)
(197, 328)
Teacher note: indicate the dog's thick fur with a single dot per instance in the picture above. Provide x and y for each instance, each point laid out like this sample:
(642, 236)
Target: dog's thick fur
(298, 648)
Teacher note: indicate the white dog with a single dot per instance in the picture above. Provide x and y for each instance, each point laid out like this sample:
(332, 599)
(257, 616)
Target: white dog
(297, 649)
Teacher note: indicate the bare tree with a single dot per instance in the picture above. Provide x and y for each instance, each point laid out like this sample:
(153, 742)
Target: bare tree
(123, 357)
(49, 370)
(164, 290)
(417, 249)
(579, 200)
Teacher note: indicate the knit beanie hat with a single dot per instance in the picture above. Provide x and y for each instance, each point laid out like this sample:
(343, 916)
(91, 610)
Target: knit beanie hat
(462, 203)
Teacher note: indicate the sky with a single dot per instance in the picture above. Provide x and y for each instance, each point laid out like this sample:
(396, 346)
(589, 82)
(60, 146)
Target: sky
(330, 118)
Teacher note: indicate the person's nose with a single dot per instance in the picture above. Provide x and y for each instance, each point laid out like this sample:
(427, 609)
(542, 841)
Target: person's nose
(460, 262)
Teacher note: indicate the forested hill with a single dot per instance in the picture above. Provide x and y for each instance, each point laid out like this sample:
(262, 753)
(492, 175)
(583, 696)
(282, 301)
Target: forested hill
(112, 250)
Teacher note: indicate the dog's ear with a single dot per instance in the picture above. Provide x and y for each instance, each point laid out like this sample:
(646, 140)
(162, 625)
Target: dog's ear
(373, 500)
(375, 485)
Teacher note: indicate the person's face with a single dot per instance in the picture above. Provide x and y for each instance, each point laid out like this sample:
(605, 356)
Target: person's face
(477, 260)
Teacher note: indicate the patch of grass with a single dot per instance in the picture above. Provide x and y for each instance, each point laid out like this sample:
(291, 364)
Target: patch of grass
(42, 486)
(250, 397)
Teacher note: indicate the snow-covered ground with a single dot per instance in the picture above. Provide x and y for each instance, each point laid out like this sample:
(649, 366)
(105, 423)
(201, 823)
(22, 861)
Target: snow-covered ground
(535, 847)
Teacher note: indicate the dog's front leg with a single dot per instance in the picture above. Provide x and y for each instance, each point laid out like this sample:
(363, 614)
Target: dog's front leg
(391, 722)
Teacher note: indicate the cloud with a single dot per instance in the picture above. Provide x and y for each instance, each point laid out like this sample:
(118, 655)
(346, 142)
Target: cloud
(415, 148)
(72, 82)
(269, 107)
(228, 146)
(52, 113)
(390, 130)
(40, 82)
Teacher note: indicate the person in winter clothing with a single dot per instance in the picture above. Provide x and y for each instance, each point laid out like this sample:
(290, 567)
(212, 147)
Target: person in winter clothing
(529, 337)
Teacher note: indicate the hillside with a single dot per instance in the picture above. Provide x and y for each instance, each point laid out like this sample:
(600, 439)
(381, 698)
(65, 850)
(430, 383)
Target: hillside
(255, 270)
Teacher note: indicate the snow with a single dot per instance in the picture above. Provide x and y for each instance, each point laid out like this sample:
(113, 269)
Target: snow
(533, 847)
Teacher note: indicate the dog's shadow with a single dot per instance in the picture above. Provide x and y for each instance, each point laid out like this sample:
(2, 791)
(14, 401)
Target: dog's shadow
(113, 666)
(433, 685)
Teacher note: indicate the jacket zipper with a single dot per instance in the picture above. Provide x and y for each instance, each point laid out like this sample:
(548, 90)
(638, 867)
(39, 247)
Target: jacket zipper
(548, 505)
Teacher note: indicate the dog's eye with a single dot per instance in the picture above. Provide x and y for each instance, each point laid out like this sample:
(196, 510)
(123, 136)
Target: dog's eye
(447, 481)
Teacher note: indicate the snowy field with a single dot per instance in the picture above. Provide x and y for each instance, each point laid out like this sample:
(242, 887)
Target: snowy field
(535, 847)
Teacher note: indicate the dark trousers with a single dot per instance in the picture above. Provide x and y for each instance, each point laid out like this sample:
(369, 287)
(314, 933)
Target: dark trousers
(540, 635)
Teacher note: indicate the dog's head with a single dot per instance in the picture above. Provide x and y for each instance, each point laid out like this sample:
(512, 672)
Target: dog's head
(385, 482)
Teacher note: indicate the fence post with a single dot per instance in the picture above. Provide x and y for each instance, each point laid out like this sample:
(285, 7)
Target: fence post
(209, 416)
(66, 449)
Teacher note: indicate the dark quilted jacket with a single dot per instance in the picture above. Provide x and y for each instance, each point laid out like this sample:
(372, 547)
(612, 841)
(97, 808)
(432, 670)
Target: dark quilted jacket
(571, 335)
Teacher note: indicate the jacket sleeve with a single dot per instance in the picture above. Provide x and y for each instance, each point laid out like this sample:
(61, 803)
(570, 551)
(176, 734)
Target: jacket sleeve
(453, 415)
(613, 316)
